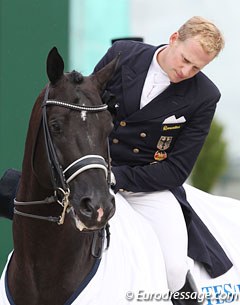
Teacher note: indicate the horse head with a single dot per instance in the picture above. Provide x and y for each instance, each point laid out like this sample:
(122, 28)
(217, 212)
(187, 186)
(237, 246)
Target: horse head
(75, 126)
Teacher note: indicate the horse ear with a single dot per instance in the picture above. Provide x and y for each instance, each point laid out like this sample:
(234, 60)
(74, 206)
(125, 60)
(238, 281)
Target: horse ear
(55, 66)
(101, 77)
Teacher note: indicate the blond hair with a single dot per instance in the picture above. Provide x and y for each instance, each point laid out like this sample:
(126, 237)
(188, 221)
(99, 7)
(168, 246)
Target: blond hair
(205, 31)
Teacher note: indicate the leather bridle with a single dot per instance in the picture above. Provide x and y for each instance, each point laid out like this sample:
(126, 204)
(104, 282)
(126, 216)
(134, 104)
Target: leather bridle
(60, 178)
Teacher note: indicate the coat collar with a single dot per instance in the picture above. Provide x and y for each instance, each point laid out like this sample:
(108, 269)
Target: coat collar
(133, 77)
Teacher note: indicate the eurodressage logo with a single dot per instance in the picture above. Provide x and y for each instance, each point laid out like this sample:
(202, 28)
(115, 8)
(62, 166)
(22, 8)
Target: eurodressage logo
(145, 296)
(210, 295)
(221, 294)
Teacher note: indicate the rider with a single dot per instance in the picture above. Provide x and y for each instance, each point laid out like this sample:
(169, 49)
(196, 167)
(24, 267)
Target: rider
(165, 108)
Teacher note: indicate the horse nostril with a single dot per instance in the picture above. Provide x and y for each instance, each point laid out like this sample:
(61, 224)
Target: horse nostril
(96, 210)
(86, 207)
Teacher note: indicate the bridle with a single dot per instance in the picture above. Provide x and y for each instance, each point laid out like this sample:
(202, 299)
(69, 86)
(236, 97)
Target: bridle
(60, 178)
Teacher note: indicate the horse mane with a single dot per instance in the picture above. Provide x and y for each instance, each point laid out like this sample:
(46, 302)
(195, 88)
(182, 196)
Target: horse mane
(33, 127)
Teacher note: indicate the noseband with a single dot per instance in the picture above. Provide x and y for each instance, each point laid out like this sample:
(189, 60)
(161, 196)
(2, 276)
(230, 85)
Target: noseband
(59, 177)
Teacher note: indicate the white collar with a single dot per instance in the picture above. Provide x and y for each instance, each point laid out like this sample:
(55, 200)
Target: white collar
(155, 68)
(155, 65)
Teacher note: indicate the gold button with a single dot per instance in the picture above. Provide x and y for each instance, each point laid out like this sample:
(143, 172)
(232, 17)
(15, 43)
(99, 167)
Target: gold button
(123, 123)
(115, 141)
(143, 135)
(136, 150)
(121, 190)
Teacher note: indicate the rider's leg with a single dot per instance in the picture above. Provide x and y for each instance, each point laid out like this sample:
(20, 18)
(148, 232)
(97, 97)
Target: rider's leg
(8, 188)
(165, 215)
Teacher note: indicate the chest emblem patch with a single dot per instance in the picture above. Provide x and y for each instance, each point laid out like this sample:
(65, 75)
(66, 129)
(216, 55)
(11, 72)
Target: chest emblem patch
(164, 142)
(160, 155)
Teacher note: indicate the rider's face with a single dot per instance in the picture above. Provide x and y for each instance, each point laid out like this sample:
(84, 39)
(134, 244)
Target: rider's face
(183, 59)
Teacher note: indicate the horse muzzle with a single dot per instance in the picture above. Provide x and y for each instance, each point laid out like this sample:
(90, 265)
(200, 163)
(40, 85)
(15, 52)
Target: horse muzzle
(88, 214)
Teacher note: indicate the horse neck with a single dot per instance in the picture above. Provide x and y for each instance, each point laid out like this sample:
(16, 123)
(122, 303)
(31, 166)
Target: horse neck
(47, 259)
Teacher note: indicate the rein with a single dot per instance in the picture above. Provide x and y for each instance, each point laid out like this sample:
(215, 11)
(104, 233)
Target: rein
(59, 177)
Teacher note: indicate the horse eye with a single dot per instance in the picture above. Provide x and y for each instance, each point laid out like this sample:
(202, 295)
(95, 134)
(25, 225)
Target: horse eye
(55, 127)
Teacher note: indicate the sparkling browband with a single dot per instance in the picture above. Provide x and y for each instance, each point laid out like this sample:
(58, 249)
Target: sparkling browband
(77, 107)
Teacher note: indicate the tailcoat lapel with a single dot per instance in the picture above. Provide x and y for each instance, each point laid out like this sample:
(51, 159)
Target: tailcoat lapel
(170, 101)
(133, 78)
(132, 88)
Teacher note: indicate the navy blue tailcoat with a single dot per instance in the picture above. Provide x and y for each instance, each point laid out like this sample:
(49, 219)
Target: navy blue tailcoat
(151, 155)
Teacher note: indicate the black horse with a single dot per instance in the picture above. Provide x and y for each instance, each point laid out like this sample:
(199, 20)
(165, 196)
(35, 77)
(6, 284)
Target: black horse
(63, 202)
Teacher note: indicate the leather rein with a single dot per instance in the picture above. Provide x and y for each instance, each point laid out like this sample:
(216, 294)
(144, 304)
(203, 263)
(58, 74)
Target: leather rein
(60, 178)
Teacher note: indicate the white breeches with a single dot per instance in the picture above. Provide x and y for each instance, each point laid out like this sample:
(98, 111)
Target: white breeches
(164, 213)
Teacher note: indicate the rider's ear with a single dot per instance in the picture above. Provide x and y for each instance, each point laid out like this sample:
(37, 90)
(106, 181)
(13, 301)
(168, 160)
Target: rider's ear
(55, 66)
(101, 77)
(174, 37)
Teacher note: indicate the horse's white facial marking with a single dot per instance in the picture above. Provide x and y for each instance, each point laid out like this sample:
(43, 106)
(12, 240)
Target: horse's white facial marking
(79, 224)
(84, 115)
(90, 141)
(100, 214)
